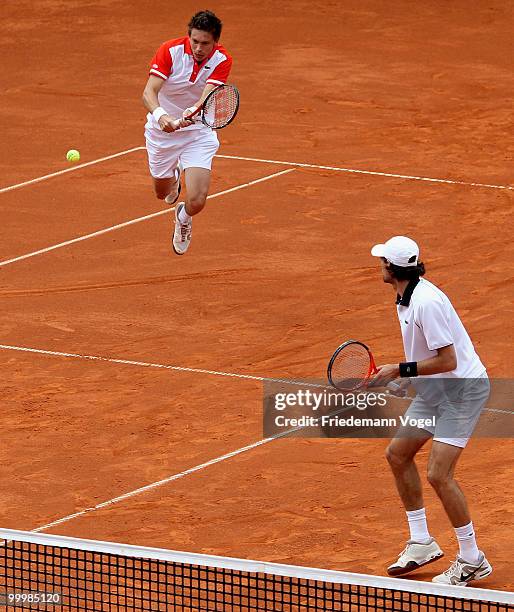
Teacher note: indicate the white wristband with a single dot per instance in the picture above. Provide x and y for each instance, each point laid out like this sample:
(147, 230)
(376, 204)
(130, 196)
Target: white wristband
(158, 113)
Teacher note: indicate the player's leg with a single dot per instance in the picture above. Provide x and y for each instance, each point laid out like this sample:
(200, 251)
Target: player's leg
(198, 181)
(196, 160)
(441, 468)
(167, 188)
(400, 455)
(163, 159)
(458, 418)
(421, 547)
(401, 452)
(471, 563)
(459, 412)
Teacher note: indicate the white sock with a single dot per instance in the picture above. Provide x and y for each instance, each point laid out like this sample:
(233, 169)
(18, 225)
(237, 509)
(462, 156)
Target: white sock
(467, 543)
(183, 217)
(418, 526)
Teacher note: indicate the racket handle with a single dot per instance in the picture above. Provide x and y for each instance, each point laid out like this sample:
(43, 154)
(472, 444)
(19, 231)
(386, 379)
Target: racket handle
(396, 389)
(177, 122)
(193, 113)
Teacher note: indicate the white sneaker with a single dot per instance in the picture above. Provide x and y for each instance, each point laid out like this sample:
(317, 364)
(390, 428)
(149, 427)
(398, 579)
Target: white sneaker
(182, 233)
(460, 572)
(415, 555)
(172, 197)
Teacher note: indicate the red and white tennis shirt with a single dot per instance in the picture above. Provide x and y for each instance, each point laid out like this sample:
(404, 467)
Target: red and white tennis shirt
(184, 78)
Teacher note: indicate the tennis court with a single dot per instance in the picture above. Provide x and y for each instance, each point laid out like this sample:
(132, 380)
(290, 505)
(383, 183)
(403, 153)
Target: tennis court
(132, 387)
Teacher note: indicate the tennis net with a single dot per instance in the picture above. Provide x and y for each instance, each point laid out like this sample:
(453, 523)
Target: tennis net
(46, 572)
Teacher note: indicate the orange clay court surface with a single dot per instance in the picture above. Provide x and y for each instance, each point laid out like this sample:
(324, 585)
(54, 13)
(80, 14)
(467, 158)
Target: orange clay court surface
(278, 272)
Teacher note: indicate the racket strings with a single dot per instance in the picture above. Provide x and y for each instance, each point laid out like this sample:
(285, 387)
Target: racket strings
(221, 107)
(351, 366)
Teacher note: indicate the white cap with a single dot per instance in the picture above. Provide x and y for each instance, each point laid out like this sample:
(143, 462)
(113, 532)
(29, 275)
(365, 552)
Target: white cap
(399, 250)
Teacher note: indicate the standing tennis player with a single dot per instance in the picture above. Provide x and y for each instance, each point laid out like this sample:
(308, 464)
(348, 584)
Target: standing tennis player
(182, 73)
(452, 388)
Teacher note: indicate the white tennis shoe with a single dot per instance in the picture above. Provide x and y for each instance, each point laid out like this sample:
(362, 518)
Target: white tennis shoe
(460, 572)
(172, 197)
(415, 555)
(182, 234)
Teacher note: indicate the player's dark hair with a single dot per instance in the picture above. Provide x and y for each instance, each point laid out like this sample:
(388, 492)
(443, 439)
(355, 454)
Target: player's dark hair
(206, 21)
(400, 273)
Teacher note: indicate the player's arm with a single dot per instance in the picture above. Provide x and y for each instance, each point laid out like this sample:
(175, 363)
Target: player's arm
(206, 91)
(151, 102)
(444, 361)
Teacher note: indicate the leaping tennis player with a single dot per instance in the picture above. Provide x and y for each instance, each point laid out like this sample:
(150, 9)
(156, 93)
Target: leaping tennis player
(452, 386)
(182, 74)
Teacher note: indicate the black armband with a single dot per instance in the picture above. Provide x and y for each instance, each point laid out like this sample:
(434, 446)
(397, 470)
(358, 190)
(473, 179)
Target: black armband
(408, 369)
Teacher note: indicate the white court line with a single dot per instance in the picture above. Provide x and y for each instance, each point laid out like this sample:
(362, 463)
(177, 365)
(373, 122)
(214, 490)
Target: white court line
(268, 161)
(71, 169)
(162, 366)
(370, 172)
(159, 483)
(145, 364)
(138, 220)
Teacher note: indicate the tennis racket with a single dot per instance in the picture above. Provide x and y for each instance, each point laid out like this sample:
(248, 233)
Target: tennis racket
(219, 107)
(351, 367)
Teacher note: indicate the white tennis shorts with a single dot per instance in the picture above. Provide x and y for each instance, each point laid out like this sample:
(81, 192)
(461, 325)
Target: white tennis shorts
(193, 148)
(456, 413)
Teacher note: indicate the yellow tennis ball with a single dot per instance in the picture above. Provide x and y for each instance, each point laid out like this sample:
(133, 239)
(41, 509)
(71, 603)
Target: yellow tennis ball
(73, 155)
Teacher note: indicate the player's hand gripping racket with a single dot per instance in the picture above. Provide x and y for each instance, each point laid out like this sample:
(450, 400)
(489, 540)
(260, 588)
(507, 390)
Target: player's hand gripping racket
(219, 107)
(351, 367)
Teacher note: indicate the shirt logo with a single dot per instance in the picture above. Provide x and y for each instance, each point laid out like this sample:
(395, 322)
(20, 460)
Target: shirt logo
(155, 66)
(207, 67)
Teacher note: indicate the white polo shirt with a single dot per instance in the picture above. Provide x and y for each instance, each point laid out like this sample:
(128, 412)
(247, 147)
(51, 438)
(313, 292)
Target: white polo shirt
(428, 322)
(184, 78)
